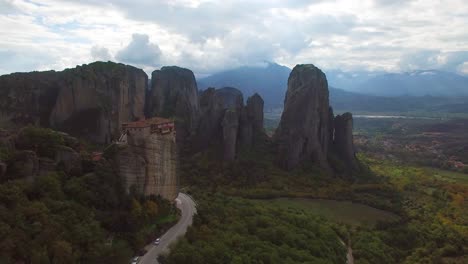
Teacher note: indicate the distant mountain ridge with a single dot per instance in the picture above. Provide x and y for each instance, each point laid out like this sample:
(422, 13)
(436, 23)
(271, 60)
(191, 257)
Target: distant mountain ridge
(269, 81)
(362, 91)
(415, 83)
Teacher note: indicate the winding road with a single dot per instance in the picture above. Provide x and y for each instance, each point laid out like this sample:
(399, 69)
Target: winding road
(188, 209)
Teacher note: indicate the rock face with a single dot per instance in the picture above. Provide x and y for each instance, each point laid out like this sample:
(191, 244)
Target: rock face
(3, 169)
(174, 93)
(213, 105)
(91, 100)
(303, 132)
(225, 121)
(255, 111)
(28, 98)
(343, 141)
(99, 97)
(230, 126)
(252, 120)
(308, 130)
(211, 116)
(149, 167)
(69, 158)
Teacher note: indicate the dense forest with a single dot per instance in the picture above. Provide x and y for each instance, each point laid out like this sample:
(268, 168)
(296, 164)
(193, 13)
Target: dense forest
(236, 224)
(68, 216)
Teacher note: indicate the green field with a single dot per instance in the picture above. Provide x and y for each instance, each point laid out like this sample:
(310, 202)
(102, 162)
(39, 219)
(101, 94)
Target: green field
(338, 211)
(450, 176)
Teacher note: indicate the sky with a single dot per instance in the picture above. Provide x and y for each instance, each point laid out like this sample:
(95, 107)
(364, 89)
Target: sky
(208, 36)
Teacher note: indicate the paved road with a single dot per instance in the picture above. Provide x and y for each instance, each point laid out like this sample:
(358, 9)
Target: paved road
(187, 207)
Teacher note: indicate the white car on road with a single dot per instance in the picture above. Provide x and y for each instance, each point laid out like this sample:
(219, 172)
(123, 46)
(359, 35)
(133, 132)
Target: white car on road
(157, 241)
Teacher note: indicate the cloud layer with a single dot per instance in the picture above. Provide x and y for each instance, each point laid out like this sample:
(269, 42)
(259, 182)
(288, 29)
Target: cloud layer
(209, 35)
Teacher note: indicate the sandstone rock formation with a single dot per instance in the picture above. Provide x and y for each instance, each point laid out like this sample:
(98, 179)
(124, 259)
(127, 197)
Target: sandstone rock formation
(99, 97)
(149, 166)
(28, 98)
(91, 100)
(174, 93)
(3, 169)
(230, 126)
(213, 105)
(25, 164)
(68, 158)
(255, 111)
(224, 120)
(7, 140)
(252, 120)
(303, 132)
(343, 141)
(308, 130)
(211, 115)
(46, 166)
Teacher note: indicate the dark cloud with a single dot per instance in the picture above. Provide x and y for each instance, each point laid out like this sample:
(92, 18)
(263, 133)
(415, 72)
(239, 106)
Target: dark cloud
(100, 53)
(140, 51)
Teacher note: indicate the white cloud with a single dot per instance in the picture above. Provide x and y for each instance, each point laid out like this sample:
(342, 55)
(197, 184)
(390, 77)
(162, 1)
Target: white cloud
(100, 53)
(207, 35)
(140, 52)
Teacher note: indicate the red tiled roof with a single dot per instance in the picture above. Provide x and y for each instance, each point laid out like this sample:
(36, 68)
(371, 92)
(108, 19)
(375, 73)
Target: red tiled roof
(96, 156)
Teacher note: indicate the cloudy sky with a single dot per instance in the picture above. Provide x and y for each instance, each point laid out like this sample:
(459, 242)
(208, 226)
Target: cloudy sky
(211, 35)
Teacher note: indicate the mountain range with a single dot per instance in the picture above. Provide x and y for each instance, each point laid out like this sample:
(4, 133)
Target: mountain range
(414, 83)
(358, 91)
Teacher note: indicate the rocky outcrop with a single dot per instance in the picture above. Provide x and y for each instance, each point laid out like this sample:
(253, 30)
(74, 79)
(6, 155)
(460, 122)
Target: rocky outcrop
(46, 166)
(230, 126)
(303, 132)
(252, 120)
(7, 140)
(174, 94)
(3, 169)
(96, 99)
(69, 159)
(131, 166)
(28, 98)
(343, 140)
(90, 100)
(308, 130)
(25, 164)
(213, 105)
(225, 121)
(255, 111)
(150, 166)
(211, 116)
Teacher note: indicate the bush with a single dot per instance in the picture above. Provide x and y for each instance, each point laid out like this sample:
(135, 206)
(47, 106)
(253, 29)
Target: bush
(43, 141)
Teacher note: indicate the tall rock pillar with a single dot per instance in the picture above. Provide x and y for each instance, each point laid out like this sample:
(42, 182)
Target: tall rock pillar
(303, 132)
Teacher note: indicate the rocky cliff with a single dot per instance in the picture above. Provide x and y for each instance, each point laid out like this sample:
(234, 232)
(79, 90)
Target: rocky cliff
(91, 100)
(28, 98)
(251, 121)
(99, 97)
(174, 94)
(343, 139)
(225, 120)
(303, 132)
(150, 166)
(230, 126)
(308, 129)
(32, 152)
